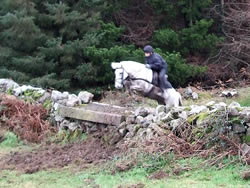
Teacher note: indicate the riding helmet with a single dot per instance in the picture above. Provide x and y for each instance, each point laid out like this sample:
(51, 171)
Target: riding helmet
(148, 49)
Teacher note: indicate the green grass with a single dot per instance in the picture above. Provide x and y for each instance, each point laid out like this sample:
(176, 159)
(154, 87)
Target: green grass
(206, 96)
(9, 140)
(72, 177)
(245, 101)
(67, 136)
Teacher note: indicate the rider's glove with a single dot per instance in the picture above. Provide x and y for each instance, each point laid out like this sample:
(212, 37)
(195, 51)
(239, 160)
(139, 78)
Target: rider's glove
(148, 66)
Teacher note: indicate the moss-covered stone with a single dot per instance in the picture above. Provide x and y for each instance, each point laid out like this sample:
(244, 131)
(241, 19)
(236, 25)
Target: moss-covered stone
(191, 118)
(201, 117)
(246, 139)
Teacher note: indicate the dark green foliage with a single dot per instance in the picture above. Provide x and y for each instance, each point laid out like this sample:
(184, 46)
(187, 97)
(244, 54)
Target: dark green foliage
(198, 39)
(108, 35)
(194, 39)
(178, 71)
(167, 39)
(69, 45)
(99, 71)
(193, 9)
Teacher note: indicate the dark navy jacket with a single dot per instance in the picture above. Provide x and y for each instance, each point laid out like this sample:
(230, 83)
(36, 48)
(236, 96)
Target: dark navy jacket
(156, 62)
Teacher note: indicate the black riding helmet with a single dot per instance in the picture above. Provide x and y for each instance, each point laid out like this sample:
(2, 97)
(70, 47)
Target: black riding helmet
(148, 49)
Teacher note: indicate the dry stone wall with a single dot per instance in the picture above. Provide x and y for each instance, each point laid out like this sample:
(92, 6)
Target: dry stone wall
(211, 120)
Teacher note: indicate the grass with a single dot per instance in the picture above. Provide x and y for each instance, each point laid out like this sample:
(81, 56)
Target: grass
(245, 101)
(206, 96)
(67, 136)
(69, 177)
(73, 177)
(9, 140)
(11, 143)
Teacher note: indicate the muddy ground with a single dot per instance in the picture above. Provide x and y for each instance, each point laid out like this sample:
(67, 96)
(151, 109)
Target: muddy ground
(90, 151)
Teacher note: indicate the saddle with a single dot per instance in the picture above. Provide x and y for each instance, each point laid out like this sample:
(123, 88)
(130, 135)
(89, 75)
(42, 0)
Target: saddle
(155, 80)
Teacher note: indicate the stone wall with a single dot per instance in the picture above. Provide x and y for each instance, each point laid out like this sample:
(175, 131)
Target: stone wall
(211, 120)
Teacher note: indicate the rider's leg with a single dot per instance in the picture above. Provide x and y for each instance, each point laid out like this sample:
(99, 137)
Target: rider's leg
(164, 83)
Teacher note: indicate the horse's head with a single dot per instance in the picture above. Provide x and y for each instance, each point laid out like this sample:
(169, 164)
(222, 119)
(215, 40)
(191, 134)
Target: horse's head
(120, 75)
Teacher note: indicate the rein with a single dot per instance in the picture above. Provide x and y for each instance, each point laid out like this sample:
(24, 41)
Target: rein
(131, 78)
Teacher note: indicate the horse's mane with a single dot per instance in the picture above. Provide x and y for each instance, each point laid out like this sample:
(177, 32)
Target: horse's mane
(137, 70)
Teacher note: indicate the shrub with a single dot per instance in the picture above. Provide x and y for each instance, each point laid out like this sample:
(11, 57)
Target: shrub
(9, 140)
(198, 39)
(167, 39)
(178, 71)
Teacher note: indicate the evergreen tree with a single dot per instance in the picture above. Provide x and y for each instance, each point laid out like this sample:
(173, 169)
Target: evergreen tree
(70, 44)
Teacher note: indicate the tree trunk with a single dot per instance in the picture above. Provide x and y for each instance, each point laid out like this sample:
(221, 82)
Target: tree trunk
(222, 4)
(191, 17)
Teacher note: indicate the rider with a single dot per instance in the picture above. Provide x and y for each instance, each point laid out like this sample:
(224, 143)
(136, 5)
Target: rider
(155, 62)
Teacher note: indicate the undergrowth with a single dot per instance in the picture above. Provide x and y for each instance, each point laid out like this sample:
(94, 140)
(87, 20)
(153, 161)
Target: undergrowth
(67, 136)
(9, 140)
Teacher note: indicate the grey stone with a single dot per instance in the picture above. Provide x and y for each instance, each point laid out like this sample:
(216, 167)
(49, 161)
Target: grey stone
(123, 132)
(64, 124)
(237, 128)
(210, 104)
(132, 129)
(141, 111)
(57, 95)
(149, 134)
(65, 94)
(234, 105)
(228, 93)
(130, 119)
(160, 131)
(188, 92)
(89, 115)
(58, 118)
(102, 107)
(56, 106)
(195, 96)
(160, 109)
(139, 120)
(245, 113)
(195, 109)
(6, 84)
(248, 132)
(183, 115)
(149, 118)
(85, 97)
(220, 106)
(20, 90)
(45, 97)
(91, 129)
(62, 102)
(89, 124)
(166, 117)
(245, 149)
(73, 126)
(73, 100)
(141, 133)
(175, 123)
(233, 112)
(122, 125)
(115, 139)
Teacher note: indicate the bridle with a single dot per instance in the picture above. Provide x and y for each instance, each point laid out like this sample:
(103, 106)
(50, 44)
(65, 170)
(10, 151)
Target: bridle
(122, 79)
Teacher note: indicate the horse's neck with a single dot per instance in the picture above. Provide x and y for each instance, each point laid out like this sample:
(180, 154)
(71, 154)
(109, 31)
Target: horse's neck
(137, 70)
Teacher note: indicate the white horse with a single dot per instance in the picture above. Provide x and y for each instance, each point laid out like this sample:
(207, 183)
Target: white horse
(135, 76)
